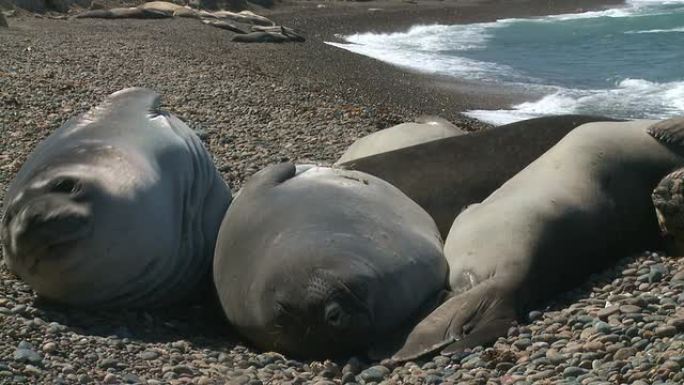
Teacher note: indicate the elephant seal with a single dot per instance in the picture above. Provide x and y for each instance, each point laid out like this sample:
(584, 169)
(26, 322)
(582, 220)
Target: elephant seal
(668, 196)
(120, 207)
(168, 8)
(225, 25)
(400, 136)
(324, 262)
(246, 17)
(123, 13)
(261, 37)
(446, 175)
(577, 209)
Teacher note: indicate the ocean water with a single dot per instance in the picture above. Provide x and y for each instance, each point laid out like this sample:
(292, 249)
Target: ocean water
(626, 62)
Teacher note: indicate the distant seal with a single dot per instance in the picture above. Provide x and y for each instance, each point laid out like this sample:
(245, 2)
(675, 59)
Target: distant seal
(446, 175)
(246, 17)
(261, 37)
(123, 13)
(169, 9)
(3, 21)
(119, 207)
(400, 136)
(225, 25)
(574, 211)
(324, 262)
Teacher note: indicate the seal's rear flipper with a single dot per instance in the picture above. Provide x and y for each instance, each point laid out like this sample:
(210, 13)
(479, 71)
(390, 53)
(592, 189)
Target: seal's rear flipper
(669, 131)
(475, 317)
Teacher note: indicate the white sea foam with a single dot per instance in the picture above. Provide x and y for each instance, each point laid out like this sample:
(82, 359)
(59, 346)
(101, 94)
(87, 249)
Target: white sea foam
(434, 49)
(428, 62)
(632, 98)
(672, 30)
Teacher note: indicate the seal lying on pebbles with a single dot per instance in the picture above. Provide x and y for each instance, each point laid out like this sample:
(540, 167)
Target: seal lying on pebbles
(277, 34)
(225, 25)
(668, 196)
(316, 264)
(246, 17)
(123, 13)
(119, 207)
(574, 211)
(425, 129)
(446, 175)
(168, 8)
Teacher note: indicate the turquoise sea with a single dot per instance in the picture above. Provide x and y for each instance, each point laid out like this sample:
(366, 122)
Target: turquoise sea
(624, 62)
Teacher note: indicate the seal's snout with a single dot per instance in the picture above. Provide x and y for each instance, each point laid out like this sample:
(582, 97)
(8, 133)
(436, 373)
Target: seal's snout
(40, 221)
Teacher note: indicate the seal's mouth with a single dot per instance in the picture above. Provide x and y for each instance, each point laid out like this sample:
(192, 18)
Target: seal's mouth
(44, 228)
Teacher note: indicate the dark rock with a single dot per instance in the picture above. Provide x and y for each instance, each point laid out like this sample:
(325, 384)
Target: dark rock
(374, 374)
(26, 354)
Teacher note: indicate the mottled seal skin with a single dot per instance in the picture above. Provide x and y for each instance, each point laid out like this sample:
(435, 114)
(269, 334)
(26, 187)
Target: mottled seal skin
(668, 196)
(444, 176)
(574, 211)
(325, 262)
(119, 207)
(425, 129)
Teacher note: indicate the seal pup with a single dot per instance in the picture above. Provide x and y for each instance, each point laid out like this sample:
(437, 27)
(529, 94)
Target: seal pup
(425, 129)
(446, 175)
(576, 210)
(324, 262)
(120, 207)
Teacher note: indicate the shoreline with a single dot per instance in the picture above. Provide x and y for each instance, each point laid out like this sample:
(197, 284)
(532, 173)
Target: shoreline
(442, 95)
(259, 104)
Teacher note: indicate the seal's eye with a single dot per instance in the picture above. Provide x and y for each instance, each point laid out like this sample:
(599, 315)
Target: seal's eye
(65, 185)
(335, 316)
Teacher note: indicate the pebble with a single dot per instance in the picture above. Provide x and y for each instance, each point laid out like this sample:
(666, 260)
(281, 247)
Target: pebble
(665, 331)
(149, 355)
(26, 354)
(374, 374)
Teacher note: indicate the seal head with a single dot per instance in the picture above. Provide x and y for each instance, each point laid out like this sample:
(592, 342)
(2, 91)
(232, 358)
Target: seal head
(324, 262)
(118, 207)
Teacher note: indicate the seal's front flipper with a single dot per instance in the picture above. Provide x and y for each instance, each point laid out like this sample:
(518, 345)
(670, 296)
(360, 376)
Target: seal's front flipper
(386, 345)
(472, 318)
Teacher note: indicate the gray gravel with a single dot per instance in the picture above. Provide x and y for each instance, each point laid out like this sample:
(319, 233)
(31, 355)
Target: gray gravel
(624, 326)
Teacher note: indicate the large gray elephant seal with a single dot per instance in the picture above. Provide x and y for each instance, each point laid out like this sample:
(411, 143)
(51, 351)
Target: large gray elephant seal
(444, 176)
(123, 13)
(574, 211)
(325, 262)
(119, 207)
(425, 129)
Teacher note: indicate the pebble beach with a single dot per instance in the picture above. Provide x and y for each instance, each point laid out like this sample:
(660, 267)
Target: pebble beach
(254, 105)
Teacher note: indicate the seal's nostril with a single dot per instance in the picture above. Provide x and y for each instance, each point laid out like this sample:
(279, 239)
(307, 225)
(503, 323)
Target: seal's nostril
(65, 185)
